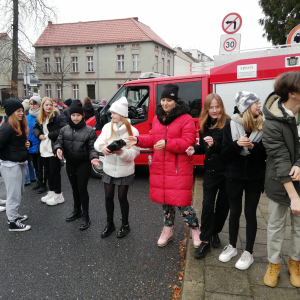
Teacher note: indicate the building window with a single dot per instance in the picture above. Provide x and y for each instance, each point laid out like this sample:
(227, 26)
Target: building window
(120, 46)
(58, 64)
(135, 59)
(57, 49)
(73, 48)
(163, 65)
(90, 64)
(58, 89)
(89, 48)
(135, 45)
(120, 62)
(48, 90)
(168, 67)
(47, 65)
(75, 91)
(74, 64)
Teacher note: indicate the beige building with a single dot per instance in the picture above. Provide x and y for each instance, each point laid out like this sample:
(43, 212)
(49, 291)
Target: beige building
(94, 59)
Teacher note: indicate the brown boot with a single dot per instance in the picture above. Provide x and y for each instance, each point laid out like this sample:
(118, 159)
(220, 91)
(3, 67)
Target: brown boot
(294, 271)
(271, 276)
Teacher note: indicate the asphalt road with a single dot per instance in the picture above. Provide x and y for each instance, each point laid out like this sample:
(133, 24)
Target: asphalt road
(54, 260)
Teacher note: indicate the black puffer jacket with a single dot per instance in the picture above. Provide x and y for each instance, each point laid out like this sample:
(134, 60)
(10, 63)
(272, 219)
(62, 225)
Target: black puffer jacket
(213, 161)
(88, 110)
(12, 147)
(250, 167)
(56, 122)
(77, 144)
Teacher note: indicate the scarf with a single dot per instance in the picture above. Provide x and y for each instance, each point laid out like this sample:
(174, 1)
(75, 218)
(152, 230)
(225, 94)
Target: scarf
(237, 131)
(77, 126)
(34, 113)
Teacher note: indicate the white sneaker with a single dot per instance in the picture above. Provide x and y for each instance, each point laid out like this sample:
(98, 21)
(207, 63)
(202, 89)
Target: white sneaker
(2, 202)
(2, 208)
(227, 254)
(49, 195)
(245, 261)
(56, 199)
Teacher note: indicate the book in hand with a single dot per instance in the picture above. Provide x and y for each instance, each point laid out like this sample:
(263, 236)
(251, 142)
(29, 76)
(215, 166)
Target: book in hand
(116, 145)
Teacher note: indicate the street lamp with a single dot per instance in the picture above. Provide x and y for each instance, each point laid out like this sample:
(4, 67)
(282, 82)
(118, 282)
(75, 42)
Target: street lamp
(155, 64)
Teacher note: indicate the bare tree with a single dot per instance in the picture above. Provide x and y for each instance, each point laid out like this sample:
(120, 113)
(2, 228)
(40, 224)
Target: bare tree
(16, 18)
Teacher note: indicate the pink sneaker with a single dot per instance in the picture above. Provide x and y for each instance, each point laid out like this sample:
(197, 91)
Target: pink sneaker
(196, 237)
(166, 236)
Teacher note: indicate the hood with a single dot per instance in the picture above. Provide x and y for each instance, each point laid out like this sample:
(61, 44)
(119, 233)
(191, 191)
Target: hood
(88, 108)
(273, 109)
(181, 108)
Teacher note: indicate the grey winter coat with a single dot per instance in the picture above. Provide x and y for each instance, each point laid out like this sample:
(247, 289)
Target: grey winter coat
(280, 138)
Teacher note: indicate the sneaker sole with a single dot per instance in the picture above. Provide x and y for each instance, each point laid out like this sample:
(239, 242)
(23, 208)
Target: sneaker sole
(52, 204)
(24, 229)
(163, 245)
(244, 268)
(224, 261)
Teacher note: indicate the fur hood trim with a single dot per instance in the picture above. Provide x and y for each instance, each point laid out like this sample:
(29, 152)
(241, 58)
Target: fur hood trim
(180, 109)
(273, 109)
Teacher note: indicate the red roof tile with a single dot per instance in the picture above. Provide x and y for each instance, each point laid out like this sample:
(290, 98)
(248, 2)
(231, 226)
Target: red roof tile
(98, 32)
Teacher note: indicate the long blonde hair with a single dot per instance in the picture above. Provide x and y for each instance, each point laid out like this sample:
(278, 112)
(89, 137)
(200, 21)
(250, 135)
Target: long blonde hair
(18, 126)
(250, 123)
(125, 122)
(42, 116)
(221, 120)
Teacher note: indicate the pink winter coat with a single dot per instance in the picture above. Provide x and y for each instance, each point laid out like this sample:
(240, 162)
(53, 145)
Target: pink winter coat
(171, 170)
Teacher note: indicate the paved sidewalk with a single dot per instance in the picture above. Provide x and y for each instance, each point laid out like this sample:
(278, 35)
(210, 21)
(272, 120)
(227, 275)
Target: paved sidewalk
(211, 279)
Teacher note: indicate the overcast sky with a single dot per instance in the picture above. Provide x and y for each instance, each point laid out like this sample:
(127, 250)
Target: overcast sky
(189, 24)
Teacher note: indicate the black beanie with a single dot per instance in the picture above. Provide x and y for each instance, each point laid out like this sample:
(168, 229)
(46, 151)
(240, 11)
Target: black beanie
(11, 105)
(170, 91)
(76, 108)
(68, 102)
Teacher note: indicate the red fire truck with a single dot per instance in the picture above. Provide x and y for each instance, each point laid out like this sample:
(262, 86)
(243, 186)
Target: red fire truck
(255, 74)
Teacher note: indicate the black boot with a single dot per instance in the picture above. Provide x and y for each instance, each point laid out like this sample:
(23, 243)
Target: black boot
(215, 241)
(76, 213)
(109, 229)
(37, 186)
(124, 230)
(42, 189)
(85, 223)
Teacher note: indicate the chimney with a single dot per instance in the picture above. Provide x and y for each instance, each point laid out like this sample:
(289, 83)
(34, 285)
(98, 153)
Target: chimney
(135, 18)
(49, 23)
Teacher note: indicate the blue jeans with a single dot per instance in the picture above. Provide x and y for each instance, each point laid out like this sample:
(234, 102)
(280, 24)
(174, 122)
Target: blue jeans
(30, 174)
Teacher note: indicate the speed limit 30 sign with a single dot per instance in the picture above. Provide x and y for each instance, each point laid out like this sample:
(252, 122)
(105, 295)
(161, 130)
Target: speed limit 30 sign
(229, 43)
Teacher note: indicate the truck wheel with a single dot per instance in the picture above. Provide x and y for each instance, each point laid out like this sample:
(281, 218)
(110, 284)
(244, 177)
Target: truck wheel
(97, 172)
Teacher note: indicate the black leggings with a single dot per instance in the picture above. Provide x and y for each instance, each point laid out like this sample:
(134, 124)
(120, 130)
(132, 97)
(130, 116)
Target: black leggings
(109, 201)
(79, 175)
(52, 173)
(253, 190)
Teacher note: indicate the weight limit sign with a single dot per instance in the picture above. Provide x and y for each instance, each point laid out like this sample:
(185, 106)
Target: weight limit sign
(232, 23)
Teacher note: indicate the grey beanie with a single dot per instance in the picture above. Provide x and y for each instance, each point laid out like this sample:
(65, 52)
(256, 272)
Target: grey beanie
(243, 100)
(37, 99)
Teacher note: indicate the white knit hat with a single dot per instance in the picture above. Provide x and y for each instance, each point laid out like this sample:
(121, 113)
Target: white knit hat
(37, 99)
(120, 107)
(243, 100)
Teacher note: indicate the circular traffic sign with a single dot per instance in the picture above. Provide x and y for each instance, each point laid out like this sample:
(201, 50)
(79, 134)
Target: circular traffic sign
(294, 36)
(229, 44)
(232, 23)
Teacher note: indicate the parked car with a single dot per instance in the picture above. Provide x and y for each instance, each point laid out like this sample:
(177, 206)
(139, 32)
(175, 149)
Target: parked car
(58, 101)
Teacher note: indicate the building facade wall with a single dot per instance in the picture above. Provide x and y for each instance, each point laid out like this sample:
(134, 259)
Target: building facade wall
(106, 75)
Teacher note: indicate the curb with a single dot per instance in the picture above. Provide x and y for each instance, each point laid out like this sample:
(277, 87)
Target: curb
(193, 284)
